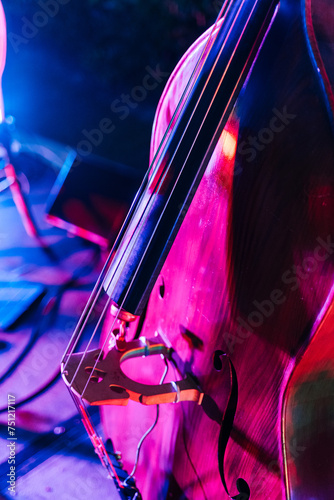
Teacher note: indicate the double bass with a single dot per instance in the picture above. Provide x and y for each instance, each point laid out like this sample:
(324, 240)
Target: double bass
(217, 297)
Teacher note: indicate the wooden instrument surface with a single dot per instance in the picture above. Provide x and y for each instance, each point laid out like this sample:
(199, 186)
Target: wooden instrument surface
(248, 273)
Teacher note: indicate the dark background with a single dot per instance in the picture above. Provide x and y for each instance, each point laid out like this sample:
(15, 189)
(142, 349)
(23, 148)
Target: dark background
(62, 75)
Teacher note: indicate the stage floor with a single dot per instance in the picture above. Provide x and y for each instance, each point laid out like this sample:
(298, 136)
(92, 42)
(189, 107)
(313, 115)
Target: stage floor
(53, 455)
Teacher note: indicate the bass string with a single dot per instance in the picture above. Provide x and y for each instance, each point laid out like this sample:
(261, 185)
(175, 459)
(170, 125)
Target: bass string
(163, 175)
(209, 107)
(212, 101)
(120, 307)
(190, 85)
(92, 301)
(93, 435)
(108, 302)
(161, 180)
(101, 280)
(182, 102)
(192, 114)
(131, 283)
(115, 319)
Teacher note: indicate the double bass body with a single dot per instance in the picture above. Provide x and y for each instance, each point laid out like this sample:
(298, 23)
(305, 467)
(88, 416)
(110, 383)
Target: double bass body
(249, 274)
